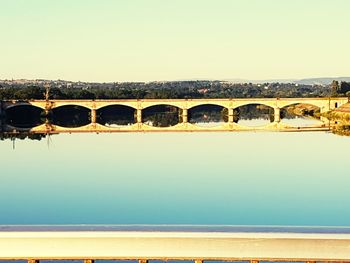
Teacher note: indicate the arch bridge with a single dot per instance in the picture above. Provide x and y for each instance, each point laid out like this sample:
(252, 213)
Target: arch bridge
(325, 104)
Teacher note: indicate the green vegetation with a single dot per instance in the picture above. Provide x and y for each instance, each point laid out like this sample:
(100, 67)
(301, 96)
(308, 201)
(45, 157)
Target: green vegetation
(340, 89)
(164, 90)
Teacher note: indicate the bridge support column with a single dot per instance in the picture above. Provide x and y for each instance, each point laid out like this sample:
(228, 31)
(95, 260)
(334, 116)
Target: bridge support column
(184, 115)
(139, 116)
(143, 261)
(47, 107)
(33, 261)
(324, 110)
(93, 115)
(230, 115)
(277, 115)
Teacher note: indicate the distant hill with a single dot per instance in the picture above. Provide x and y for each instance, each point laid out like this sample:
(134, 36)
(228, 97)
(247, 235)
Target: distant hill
(307, 81)
(322, 81)
(258, 81)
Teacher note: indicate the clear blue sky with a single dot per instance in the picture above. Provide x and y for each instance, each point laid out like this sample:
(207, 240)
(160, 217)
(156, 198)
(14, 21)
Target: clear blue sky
(142, 40)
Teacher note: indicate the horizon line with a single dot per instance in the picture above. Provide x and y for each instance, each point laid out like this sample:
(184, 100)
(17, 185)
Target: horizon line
(237, 80)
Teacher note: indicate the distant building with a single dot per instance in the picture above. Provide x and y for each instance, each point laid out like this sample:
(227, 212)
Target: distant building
(203, 91)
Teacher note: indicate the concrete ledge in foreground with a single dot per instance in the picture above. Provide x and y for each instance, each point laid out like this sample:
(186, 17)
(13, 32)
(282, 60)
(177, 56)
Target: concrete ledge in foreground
(174, 245)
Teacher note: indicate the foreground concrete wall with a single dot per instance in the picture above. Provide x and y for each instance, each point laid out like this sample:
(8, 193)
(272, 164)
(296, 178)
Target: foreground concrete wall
(175, 245)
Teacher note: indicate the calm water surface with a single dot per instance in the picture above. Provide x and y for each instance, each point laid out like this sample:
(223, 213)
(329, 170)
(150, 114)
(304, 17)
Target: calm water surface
(241, 178)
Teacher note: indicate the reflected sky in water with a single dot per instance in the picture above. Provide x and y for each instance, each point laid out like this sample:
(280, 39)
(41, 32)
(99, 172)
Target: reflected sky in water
(239, 178)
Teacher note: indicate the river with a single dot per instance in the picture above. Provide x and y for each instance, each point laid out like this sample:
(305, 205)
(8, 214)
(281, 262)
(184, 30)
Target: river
(222, 178)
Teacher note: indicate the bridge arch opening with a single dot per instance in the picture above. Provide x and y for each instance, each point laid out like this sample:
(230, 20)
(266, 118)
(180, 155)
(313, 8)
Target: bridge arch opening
(301, 115)
(161, 115)
(254, 115)
(208, 115)
(116, 115)
(70, 116)
(24, 116)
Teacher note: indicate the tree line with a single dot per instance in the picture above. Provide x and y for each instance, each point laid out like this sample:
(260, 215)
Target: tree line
(168, 90)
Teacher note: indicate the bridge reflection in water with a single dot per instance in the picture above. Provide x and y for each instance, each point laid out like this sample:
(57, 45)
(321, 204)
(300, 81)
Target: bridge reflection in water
(143, 243)
(184, 106)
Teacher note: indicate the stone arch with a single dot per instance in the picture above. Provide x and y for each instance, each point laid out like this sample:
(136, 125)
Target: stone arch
(24, 116)
(100, 105)
(213, 113)
(301, 114)
(69, 104)
(313, 103)
(144, 104)
(161, 115)
(214, 102)
(271, 104)
(254, 114)
(116, 115)
(24, 103)
(70, 116)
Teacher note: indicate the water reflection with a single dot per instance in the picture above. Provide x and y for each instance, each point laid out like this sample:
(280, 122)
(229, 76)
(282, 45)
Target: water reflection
(116, 116)
(176, 178)
(253, 122)
(24, 116)
(208, 115)
(255, 115)
(161, 116)
(301, 115)
(70, 116)
(210, 124)
(299, 121)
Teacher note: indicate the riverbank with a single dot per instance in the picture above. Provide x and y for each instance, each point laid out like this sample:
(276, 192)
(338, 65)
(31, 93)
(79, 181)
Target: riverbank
(341, 116)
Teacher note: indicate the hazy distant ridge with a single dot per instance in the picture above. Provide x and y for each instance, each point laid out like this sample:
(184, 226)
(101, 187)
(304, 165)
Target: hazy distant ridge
(307, 81)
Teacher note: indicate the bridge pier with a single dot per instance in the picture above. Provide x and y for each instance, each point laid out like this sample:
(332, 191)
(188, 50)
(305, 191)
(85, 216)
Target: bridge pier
(277, 115)
(184, 115)
(230, 115)
(139, 116)
(48, 107)
(93, 116)
(33, 261)
(143, 261)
